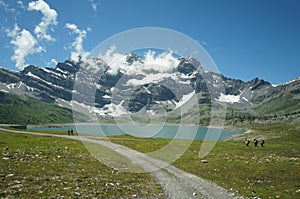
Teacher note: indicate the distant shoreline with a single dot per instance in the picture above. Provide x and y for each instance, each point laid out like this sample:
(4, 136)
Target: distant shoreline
(227, 128)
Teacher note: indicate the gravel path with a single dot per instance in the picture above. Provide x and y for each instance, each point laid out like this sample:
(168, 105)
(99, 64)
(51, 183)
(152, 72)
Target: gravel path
(175, 182)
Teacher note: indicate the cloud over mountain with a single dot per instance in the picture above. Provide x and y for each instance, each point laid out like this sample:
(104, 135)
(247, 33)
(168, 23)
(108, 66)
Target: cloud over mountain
(48, 19)
(77, 44)
(24, 44)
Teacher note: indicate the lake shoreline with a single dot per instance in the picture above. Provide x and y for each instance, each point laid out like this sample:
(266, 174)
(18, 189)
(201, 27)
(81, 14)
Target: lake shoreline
(228, 128)
(158, 130)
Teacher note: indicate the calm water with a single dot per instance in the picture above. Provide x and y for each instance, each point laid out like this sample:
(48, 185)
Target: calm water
(155, 131)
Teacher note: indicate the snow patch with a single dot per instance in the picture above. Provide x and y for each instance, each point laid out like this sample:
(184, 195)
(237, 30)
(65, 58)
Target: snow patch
(229, 98)
(4, 91)
(32, 75)
(114, 110)
(49, 83)
(246, 100)
(106, 97)
(11, 85)
(150, 78)
(60, 70)
(295, 80)
(55, 74)
(184, 99)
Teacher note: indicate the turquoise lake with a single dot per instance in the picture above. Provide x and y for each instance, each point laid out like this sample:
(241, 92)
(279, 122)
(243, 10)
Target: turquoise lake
(154, 131)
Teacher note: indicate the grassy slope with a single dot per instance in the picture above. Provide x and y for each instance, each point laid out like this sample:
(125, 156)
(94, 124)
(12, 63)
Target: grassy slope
(280, 105)
(50, 167)
(21, 110)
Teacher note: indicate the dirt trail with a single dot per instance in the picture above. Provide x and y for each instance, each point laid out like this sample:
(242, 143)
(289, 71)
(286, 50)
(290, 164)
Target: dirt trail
(175, 182)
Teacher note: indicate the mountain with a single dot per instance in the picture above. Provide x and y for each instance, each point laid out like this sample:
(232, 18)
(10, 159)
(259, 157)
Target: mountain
(148, 92)
(16, 109)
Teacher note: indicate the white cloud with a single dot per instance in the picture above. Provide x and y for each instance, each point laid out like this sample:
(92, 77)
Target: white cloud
(24, 44)
(4, 5)
(53, 61)
(77, 44)
(114, 60)
(95, 5)
(161, 63)
(14, 32)
(7, 9)
(48, 19)
(20, 3)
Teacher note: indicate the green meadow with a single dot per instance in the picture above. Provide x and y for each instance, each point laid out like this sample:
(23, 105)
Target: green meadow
(46, 167)
(53, 167)
(272, 171)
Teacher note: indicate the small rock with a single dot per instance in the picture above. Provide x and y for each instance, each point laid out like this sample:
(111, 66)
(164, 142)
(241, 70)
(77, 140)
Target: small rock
(134, 195)
(194, 193)
(17, 182)
(111, 184)
(10, 175)
(17, 186)
(77, 193)
(204, 161)
(5, 158)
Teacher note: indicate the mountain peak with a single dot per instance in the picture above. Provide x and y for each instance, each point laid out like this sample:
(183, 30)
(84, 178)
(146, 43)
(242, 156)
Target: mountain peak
(188, 65)
(257, 83)
(132, 57)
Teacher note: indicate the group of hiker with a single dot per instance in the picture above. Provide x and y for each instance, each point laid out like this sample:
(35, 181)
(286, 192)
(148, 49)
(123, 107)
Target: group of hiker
(70, 132)
(255, 141)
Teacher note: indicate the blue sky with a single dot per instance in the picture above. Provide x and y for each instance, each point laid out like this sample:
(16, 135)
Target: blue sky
(246, 39)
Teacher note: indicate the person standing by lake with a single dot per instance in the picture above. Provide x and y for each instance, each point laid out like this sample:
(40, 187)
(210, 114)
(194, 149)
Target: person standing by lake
(262, 142)
(247, 142)
(255, 142)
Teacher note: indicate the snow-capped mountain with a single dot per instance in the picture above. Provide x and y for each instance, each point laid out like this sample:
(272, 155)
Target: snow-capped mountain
(134, 84)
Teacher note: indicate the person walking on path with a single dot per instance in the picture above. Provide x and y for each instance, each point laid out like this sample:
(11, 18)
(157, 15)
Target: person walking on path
(255, 142)
(262, 142)
(247, 142)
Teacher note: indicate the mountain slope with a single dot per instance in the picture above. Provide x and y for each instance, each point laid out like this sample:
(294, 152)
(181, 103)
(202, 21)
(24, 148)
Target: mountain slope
(146, 91)
(23, 110)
